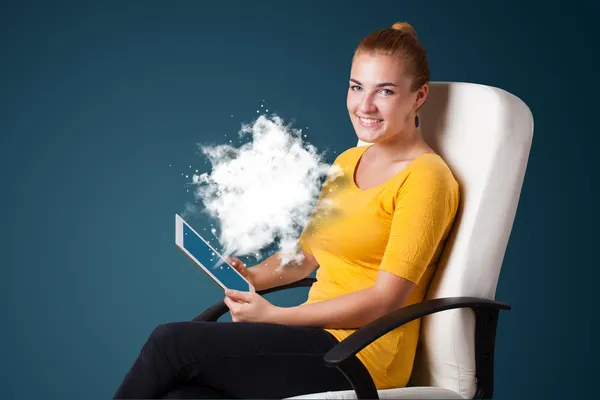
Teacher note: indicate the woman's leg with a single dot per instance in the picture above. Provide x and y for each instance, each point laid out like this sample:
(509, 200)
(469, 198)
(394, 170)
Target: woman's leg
(196, 392)
(243, 360)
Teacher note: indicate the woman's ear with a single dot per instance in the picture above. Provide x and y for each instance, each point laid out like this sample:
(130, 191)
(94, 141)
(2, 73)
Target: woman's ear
(422, 93)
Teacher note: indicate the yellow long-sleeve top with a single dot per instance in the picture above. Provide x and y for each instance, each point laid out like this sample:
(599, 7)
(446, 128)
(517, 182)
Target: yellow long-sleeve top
(400, 227)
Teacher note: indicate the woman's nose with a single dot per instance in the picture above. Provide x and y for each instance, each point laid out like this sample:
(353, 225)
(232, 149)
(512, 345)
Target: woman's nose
(367, 105)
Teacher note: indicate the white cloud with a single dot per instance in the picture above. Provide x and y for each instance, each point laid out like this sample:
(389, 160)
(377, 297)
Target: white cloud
(263, 190)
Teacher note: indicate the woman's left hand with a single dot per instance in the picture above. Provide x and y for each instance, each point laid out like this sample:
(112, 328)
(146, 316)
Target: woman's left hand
(254, 308)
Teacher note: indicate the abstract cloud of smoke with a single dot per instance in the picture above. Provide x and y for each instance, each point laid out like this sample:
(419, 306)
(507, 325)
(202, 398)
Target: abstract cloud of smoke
(263, 190)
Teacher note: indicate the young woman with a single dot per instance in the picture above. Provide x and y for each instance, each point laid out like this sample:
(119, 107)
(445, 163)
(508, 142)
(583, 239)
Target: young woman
(396, 203)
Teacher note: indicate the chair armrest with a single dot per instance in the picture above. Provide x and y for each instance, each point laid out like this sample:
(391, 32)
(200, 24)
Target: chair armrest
(369, 333)
(343, 355)
(217, 310)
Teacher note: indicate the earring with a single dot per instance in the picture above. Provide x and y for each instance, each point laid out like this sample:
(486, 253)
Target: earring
(416, 121)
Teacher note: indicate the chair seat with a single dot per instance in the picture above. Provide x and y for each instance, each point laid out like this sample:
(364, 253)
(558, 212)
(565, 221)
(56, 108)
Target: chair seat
(416, 392)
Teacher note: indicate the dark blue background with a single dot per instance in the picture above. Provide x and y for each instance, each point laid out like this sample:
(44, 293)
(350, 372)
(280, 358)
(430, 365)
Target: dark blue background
(101, 109)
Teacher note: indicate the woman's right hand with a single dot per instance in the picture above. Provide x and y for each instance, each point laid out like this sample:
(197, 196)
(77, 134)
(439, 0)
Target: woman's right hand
(240, 267)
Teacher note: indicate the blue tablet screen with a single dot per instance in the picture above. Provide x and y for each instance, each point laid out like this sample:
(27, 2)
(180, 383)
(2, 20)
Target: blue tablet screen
(207, 257)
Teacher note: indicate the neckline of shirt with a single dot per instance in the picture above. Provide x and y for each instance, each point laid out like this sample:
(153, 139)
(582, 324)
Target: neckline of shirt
(393, 178)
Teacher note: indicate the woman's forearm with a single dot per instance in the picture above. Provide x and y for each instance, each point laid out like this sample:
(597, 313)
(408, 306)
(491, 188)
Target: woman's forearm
(351, 310)
(270, 273)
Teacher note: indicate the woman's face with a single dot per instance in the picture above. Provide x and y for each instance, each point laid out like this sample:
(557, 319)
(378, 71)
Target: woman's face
(380, 103)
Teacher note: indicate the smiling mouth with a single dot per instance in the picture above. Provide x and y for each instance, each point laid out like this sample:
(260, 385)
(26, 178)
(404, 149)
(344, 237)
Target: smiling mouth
(369, 121)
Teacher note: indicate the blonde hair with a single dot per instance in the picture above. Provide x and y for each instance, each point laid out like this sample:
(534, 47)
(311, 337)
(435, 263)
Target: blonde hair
(399, 41)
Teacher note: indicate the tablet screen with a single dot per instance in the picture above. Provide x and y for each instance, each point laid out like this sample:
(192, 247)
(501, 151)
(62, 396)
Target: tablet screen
(204, 254)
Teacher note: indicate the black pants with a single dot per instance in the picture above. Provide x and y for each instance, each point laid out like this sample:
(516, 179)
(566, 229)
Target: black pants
(233, 360)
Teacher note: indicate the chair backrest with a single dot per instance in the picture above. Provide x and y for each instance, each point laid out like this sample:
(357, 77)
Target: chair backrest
(484, 134)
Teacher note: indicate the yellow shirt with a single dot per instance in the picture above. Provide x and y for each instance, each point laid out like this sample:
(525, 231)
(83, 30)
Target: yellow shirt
(400, 227)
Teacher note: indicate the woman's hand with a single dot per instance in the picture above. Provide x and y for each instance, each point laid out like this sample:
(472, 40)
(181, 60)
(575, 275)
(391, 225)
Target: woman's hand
(249, 307)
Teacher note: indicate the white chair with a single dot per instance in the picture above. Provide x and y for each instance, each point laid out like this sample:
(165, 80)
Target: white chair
(484, 134)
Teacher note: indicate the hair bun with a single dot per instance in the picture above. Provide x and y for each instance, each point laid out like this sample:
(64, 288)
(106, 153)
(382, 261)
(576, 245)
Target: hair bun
(405, 27)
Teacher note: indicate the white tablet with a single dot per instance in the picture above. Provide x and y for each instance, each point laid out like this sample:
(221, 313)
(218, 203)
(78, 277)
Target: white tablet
(208, 259)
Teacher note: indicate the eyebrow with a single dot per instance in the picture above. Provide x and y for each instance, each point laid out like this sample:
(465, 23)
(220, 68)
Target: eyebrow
(378, 85)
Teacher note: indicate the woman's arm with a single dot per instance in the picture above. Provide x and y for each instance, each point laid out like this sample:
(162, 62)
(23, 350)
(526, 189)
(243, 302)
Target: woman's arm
(270, 273)
(352, 310)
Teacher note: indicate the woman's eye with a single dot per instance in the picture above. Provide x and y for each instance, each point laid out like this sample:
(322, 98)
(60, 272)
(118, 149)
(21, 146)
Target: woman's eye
(388, 92)
(355, 88)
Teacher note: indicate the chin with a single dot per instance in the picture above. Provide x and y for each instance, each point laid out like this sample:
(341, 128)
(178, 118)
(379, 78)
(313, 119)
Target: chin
(369, 136)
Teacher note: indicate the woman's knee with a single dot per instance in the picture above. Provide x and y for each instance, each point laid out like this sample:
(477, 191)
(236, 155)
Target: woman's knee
(164, 332)
(174, 331)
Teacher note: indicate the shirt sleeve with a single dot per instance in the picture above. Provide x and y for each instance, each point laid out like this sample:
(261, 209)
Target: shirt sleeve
(424, 207)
